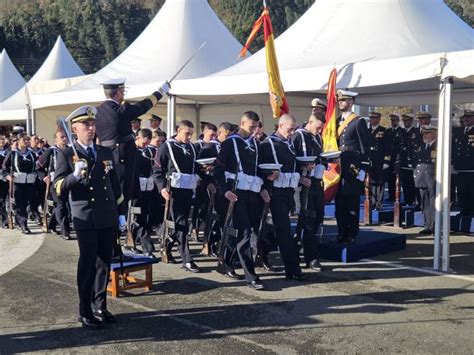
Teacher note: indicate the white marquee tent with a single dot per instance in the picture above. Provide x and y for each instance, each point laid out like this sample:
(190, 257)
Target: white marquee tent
(10, 79)
(58, 66)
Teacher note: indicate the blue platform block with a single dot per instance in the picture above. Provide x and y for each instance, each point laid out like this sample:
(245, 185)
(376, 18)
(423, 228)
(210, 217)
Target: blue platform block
(135, 260)
(367, 245)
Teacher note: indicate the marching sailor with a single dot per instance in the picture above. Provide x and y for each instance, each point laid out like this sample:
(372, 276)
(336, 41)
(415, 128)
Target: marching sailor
(239, 154)
(308, 142)
(278, 190)
(20, 166)
(177, 160)
(86, 173)
(3, 183)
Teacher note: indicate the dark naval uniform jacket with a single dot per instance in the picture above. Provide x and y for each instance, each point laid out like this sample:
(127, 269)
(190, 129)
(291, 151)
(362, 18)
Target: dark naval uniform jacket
(379, 153)
(96, 201)
(425, 166)
(463, 149)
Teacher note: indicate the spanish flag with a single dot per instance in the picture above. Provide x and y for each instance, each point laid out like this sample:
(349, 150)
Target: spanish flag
(277, 94)
(332, 175)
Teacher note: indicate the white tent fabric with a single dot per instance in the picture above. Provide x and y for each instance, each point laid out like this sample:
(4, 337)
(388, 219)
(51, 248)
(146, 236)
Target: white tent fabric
(176, 32)
(10, 79)
(58, 65)
(356, 37)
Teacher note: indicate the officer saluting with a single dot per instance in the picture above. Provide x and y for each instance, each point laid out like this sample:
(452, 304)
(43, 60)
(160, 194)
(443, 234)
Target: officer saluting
(354, 142)
(86, 173)
(278, 149)
(114, 129)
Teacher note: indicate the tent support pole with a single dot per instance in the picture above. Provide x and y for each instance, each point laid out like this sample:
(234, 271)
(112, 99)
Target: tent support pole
(197, 109)
(446, 191)
(171, 115)
(438, 199)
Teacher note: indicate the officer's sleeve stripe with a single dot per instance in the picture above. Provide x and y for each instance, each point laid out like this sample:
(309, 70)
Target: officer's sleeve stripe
(153, 99)
(58, 186)
(120, 200)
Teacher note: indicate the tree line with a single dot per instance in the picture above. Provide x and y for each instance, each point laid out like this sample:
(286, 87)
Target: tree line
(96, 31)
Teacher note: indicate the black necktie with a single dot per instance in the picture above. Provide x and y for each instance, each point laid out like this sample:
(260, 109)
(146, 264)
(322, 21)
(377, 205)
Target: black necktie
(90, 153)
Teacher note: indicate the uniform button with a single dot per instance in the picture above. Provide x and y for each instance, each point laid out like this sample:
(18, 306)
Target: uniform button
(121, 160)
(91, 188)
(105, 187)
(92, 199)
(103, 177)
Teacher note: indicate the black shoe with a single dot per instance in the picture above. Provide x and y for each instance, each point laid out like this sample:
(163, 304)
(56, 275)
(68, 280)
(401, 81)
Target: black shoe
(150, 255)
(425, 232)
(192, 267)
(256, 285)
(66, 236)
(133, 250)
(299, 277)
(264, 263)
(233, 275)
(90, 322)
(315, 265)
(104, 316)
(25, 230)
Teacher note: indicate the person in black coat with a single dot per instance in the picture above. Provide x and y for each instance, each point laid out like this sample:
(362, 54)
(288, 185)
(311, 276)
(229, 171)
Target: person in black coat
(354, 141)
(4, 150)
(114, 130)
(86, 173)
(393, 136)
(379, 159)
(408, 147)
(425, 176)
(463, 162)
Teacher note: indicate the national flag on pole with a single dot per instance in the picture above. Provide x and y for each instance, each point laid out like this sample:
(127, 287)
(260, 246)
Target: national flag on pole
(277, 94)
(332, 175)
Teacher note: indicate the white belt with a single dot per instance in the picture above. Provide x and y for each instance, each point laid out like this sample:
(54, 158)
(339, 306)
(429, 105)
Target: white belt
(246, 182)
(184, 181)
(146, 184)
(24, 178)
(286, 180)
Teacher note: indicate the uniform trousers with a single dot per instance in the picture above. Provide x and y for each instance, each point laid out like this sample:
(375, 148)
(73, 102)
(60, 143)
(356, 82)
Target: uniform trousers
(95, 253)
(179, 208)
(243, 218)
(24, 196)
(142, 230)
(408, 186)
(282, 202)
(465, 185)
(61, 213)
(3, 203)
(315, 207)
(428, 206)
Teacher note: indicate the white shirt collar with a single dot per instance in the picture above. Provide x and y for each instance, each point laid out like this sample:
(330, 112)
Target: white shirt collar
(118, 103)
(86, 146)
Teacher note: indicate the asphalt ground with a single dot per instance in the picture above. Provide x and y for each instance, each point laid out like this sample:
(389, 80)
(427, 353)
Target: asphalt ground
(389, 304)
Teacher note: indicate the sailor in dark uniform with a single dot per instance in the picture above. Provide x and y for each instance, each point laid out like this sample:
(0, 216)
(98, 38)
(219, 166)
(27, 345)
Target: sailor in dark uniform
(408, 144)
(239, 154)
(155, 122)
(40, 186)
(142, 228)
(90, 180)
(463, 162)
(20, 165)
(48, 164)
(136, 125)
(308, 142)
(4, 150)
(177, 159)
(354, 142)
(424, 176)
(279, 192)
(157, 202)
(114, 129)
(393, 136)
(379, 157)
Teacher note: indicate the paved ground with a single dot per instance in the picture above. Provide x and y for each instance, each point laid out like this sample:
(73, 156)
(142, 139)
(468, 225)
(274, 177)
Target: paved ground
(369, 307)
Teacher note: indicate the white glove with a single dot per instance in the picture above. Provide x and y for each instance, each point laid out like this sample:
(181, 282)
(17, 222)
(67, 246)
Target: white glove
(319, 171)
(385, 166)
(164, 88)
(79, 166)
(122, 223)
(361, 176)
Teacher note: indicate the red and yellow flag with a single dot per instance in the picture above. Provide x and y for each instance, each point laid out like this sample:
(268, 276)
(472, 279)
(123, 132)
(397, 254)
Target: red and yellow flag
(277, 94)
(332, 175)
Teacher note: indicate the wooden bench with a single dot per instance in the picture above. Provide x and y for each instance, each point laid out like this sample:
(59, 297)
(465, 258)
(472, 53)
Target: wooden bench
(139, 263)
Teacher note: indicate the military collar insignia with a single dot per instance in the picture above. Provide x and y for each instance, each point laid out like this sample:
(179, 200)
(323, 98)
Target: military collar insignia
(108, 165)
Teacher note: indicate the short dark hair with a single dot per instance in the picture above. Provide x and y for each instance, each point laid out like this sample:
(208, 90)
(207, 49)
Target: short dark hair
(22, 135)
(159, 133)
(185, 123)
(230, 127)
(145, 133)
(210, 126)
(252, 116)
